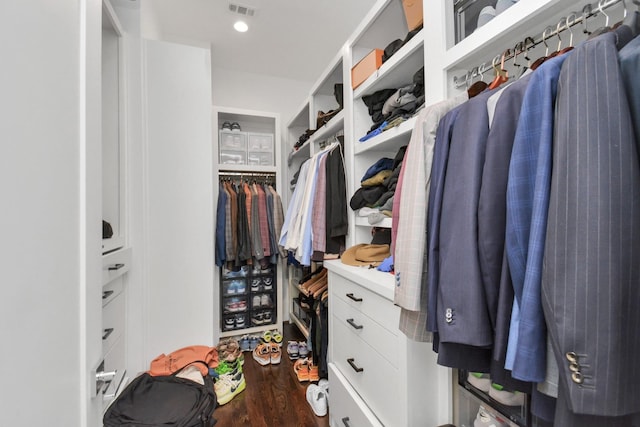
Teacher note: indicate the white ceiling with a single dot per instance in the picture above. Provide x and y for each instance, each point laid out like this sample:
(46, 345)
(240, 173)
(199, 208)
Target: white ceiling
(293, 39)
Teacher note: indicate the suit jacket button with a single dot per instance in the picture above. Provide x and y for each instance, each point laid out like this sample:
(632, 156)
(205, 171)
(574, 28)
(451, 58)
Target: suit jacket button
(572, 357)
(577, 378)
(574, 367)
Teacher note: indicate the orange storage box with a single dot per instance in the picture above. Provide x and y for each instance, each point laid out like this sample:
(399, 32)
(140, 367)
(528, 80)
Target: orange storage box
(367, 66)
(413, 13)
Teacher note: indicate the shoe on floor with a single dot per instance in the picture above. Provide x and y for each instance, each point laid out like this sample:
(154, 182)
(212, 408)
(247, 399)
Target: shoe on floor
(303, 350)
(317, 399)
(292, 350)
(276, 353)
(508, 398)
(324, 385)
(480, 381)
(262, 354)
(227, 387)
(301, 369)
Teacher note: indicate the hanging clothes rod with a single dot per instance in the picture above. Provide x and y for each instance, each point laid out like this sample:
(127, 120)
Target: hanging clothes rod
(574, 18)
(247, 174)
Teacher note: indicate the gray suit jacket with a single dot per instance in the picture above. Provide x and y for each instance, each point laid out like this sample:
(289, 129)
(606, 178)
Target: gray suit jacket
(591, 272)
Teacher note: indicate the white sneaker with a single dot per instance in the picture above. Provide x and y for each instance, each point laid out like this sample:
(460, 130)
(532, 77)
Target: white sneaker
(508, 398)
(324, 385)
(317, 398)
(487, 419)
(480, 381)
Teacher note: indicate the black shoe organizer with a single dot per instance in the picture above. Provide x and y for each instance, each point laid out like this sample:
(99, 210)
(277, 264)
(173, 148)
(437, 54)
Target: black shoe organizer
(248, 297)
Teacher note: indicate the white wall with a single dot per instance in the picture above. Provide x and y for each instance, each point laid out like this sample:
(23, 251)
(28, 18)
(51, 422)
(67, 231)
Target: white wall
(179, 198)
(49, 168)
(258, 92)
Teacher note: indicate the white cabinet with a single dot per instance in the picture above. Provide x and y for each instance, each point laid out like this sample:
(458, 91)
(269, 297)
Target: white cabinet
(248, 300)
(373, 368)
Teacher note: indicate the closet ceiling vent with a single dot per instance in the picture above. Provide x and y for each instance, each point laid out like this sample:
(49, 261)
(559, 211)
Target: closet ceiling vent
(241, 10)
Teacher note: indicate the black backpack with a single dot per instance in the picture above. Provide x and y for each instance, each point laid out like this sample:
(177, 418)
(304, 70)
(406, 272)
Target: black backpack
(163, 401)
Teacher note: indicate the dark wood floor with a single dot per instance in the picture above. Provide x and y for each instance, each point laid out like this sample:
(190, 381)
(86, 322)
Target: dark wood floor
(273, 397)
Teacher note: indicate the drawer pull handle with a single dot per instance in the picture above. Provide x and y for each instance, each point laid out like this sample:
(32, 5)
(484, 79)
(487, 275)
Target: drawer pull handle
(107, 332)
(106, 294)
(356, 299)
(353, 324)
(354, 366)
(346, 422)
(115, 267)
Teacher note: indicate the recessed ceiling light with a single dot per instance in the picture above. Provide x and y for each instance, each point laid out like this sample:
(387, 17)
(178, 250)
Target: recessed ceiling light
(241, 26)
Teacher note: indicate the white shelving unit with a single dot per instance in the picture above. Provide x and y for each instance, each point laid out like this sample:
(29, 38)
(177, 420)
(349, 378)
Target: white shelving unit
(265, 124)
(434, 49)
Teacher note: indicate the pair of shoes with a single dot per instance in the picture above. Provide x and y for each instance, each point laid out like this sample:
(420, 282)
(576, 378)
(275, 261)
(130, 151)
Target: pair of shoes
(306, 370)
(236, 287)
(318, 397)
(261, 318)
(508, 398)
(232, 274)
(234, 322)
(229, 386)
(263, 300)
(267, 353)
(485, 418)
(233, 127)
(272, 336)
(235, 305)
(297, 350)
(255, 284)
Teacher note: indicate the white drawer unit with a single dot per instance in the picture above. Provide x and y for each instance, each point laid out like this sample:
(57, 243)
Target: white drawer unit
(234, 141)
(347, 409)
(376, 375)
(115, 266)
(113, 317)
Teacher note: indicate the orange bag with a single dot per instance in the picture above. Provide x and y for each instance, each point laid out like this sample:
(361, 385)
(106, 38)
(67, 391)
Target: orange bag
(168, 364)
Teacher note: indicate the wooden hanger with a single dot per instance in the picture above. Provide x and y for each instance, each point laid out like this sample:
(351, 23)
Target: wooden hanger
(540, 60)
(501, 74)
(480, 85)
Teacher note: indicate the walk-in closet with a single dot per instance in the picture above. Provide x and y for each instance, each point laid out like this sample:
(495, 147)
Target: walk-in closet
(399, 213)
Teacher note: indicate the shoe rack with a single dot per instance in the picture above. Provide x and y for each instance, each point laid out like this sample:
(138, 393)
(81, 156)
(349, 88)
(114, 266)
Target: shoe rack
(249, 298)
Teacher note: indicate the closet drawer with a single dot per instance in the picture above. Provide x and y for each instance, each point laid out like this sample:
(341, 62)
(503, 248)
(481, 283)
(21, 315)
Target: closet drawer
(112, 290)
(378, 383)
(114, 361)
(259, 158)
(346, 409)
(369, 303)
(234, 141)
(364, 327)
(113, 321)
(115, 264)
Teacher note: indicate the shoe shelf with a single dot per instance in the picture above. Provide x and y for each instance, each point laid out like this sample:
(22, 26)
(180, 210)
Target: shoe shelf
(329, 129)
(248, 299)
(471, 398)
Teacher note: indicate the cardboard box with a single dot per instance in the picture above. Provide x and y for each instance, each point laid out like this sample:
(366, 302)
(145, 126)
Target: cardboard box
(413, 13)
(367, 66)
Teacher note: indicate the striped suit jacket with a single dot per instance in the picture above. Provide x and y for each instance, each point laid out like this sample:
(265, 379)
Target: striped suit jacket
(591, 271)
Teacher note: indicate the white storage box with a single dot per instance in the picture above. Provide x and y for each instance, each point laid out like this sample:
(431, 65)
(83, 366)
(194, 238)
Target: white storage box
(260, 142)
(229, 157)
(236, 141)
(260, 158)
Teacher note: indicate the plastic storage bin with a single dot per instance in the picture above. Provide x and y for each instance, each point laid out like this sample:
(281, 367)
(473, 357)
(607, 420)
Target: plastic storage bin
(233, 157)
(260, 158)
(260, 142)
(234, 141)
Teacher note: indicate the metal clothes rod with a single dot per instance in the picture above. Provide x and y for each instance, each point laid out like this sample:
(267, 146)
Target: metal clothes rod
(248, 174)
(588, 11)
